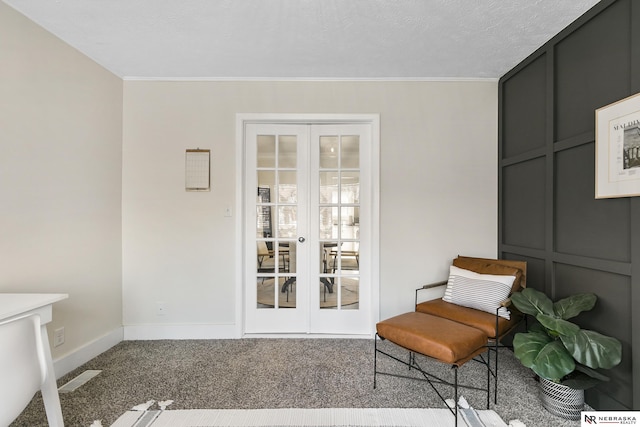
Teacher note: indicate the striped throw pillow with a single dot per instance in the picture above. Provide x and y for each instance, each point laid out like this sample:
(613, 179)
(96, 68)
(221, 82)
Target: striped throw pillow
(483, 292)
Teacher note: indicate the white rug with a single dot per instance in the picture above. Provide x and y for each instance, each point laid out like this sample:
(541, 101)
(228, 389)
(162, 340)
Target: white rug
(324, 417)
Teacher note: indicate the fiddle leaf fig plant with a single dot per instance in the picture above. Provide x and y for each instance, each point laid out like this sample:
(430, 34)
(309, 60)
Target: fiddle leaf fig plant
(559, 350)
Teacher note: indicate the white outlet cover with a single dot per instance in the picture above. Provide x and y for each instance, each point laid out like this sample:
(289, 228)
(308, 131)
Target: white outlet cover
(58, 337)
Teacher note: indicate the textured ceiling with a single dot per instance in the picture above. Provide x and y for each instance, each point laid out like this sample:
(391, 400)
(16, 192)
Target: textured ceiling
(323, 39)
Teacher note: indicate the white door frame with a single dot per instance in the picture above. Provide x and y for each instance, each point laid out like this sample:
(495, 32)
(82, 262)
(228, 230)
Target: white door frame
(241, 121)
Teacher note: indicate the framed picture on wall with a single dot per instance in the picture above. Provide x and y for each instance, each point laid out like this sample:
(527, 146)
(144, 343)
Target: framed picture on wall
(618, 149)
(197, 170)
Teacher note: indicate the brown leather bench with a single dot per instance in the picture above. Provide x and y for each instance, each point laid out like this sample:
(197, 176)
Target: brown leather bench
(436, 337)
(441, 339)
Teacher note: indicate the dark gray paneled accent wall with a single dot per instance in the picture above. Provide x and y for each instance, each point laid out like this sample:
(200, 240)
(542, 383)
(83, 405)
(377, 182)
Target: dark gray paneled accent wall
(548, 214)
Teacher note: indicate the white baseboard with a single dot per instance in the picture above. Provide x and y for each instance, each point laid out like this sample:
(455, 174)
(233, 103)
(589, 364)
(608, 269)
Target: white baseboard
(180, 332)
(82, 355)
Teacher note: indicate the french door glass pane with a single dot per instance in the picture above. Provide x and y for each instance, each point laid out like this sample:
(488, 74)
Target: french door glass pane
(287, 151)
(264, 223)
(347, 222)
(275, 292)
(327, 257)
(289, 249)
(266, 181)
(287, 221)
(350, 151)
(266, 154)
(287, 187)
(350, 291)
(348, 296)
(347, 258)
(272, 258)
(350, 187)
(329, 187)
(328, 222)
(265, 292)
(329, 149)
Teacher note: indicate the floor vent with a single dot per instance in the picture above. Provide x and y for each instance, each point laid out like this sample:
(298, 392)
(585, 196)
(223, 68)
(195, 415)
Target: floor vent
(78, 381)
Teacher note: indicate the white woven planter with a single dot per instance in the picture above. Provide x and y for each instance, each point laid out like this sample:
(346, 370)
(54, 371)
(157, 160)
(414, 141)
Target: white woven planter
(561, 400)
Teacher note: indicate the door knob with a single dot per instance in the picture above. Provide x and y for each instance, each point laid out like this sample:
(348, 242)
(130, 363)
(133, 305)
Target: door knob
(301, 239)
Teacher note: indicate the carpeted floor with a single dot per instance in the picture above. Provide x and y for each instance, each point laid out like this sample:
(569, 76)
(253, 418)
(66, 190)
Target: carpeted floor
(274, 373)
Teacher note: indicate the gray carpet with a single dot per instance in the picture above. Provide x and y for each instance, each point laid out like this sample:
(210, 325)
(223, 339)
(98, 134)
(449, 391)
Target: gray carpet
(275, 373)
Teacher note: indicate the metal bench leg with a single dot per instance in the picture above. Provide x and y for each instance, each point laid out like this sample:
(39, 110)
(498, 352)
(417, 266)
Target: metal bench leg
(455, 393)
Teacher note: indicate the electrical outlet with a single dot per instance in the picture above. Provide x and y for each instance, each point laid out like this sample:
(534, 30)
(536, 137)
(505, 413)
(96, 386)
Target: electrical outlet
(227, 211)
(58, 337)
(161, 308)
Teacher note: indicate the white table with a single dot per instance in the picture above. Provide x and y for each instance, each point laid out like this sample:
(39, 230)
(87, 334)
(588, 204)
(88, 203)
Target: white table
(15, 305)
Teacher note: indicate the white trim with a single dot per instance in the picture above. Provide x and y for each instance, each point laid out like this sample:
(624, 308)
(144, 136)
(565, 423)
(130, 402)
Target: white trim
(311, 79)
(179, 332)
(375, 221)
(310, 336)
(67, 363)
(244, 118)
(239, 220)
(294, 118)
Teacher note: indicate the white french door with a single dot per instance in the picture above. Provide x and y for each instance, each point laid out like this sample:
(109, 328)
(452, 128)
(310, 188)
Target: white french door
(276, 251)
(307, 228)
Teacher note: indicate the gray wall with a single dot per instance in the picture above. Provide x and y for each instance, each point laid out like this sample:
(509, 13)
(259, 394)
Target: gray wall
(548, 214)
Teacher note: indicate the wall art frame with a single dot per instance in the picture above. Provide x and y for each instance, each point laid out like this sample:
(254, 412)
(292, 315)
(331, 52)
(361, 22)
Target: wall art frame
(618, 149)
(197, 170)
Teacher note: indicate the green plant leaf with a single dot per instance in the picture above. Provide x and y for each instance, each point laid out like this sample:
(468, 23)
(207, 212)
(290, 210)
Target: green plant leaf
(527, 346)
(569, 307)
(561, 327)
(553, 362)
(530, 301)
(593, 349)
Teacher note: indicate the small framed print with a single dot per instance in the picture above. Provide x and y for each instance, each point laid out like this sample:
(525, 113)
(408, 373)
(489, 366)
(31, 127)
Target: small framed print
(197, 175)
(618, 149)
